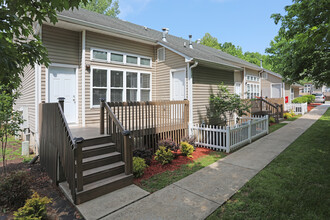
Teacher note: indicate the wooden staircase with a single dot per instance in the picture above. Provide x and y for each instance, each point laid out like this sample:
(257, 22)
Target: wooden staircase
(103, 169)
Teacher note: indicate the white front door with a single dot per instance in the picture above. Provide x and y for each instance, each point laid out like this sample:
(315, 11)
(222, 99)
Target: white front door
(62, 83)
(276, 90)
(238, 89)
(178, 85)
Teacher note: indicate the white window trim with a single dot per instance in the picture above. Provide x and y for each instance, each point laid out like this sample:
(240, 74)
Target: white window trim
(164, 54)
(257, 84)
(271, 89)
(124, 58)
(248, 75)
(109, 69)
(171, 80)
(240, 85)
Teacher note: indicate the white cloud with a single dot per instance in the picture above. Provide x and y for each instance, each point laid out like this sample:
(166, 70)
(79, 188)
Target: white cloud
(128, 7)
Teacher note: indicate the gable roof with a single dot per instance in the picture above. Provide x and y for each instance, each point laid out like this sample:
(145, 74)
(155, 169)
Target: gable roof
(199, 51)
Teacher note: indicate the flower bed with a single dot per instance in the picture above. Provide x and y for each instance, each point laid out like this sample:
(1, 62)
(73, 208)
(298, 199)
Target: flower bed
(156, 168)
(312, 105)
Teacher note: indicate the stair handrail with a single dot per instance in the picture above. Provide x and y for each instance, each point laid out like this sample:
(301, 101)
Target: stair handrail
(119, 134)
(276, 106)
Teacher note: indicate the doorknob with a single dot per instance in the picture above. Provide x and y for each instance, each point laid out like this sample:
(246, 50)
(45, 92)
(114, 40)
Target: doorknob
(74, 99)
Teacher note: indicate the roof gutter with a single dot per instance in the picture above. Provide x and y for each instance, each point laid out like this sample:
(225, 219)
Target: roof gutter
(102, 27)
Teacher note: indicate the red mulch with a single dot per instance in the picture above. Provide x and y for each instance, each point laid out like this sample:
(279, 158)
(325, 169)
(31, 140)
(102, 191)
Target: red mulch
(312, 105)
(271, 123)
(155, 167)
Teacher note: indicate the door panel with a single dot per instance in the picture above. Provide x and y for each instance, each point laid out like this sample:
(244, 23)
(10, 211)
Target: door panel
(62, 83)
(178, 85)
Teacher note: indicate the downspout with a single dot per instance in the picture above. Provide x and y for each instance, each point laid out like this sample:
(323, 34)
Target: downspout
(83, 72)
(190, 95)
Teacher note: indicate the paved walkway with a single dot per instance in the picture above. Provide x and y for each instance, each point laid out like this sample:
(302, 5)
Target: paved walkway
(198, 195)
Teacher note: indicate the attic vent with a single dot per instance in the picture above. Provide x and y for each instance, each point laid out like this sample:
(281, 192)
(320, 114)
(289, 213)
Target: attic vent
(161, 54)
(165, 32)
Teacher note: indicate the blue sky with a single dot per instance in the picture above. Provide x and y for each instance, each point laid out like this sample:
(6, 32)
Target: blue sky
(243, 22)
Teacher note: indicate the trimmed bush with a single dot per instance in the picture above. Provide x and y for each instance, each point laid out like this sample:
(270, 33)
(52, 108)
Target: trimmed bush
(169, 144)
(301, 99)
(164, 156)
(145, 154)
(310, 98)
(34, 208)
(287, 115)
(15, 189)
(186, 149)
(139, 165)
(271, 120)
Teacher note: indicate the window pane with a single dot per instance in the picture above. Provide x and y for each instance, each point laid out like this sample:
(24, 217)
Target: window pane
(131, 59)
(97, 94)
(117, 57)
(145, 95)
(131, 95)
(101, 55)
(116, 78)
(145, 80)
(116, 95)
(131, 80)
(145, 61)
(99, 78)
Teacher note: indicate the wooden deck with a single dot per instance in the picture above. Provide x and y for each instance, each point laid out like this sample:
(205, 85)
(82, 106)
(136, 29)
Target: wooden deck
(88, 132)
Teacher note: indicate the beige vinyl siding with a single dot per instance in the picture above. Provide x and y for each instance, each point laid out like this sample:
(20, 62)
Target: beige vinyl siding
(64, 47)
(206, 80)
(100, 41)
(266, 84)
(296, 92)
(27, 98)
(163, 69)
(287, 91)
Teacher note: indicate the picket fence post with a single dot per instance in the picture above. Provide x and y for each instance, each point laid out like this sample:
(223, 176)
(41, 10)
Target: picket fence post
(249, 131)
(267, 124)
(228, 139)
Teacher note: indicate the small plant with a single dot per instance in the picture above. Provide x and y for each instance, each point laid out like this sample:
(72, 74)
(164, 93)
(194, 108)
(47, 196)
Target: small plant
(145, 154)
(292, 112)
(139, 164)
(34, 208)
(310, 98)
(164, 156)
(287, 115)
(190, 140)
(186, 149)
(271, 120)
(301, 99)
(14, 189)
(168, 144)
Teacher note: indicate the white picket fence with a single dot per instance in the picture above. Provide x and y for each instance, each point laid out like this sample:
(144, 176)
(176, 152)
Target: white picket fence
(298, 108)
(231, 137)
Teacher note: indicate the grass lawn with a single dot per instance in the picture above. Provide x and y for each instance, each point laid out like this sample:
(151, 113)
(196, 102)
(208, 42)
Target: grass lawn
(166, 178)
(296, 185)
(14, 151)
(274, 127)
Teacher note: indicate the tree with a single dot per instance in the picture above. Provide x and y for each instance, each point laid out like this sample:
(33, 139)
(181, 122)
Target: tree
(224, 105)
(10, 120)
(210, 41)
(19, 44)
(301, 50)
(106, 7)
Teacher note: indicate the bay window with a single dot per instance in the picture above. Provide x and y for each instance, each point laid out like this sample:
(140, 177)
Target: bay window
(119, 85)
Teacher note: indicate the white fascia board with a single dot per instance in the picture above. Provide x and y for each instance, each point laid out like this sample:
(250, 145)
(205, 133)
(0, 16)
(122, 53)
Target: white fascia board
(102, 27)
(187, 58)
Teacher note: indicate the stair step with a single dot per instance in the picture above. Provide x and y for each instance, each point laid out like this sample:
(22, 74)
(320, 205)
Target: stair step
(99, 149)
(101, 160)
(96, 141)
(104, 186)
(95, 174)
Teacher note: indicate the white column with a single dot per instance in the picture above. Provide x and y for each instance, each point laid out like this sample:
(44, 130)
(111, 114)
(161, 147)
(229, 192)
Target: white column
(190, 98)
(83, 72)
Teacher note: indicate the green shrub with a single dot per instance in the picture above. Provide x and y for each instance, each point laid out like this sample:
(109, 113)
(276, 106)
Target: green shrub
(169, 144)
(301, 99)
(310, 98)
(164, 156)
(271, 120)
(139, 164)
(15, 189)
(186, 149)
(287, 115)
(190, 140)
(34, 208)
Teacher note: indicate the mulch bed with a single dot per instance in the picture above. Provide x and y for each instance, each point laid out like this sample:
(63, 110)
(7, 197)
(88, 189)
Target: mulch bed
(60, 208)
(156, 168)
(312, 105)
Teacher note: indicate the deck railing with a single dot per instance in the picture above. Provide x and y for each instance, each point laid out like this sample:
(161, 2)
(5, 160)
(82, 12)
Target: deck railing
(261, 106)
(151, 121)
(59, 153)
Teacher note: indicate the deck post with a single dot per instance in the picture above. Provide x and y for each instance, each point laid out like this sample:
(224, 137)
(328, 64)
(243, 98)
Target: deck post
(281, 106)
(102, 100)
(61, 101)
(128, 153)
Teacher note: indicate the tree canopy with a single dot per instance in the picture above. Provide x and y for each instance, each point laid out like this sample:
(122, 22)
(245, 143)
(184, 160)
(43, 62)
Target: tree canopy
(106, 7)
(301, 50)
(20, 45)
(230, 48)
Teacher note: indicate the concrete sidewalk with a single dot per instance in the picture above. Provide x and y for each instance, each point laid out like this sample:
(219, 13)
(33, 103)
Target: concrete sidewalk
(198, 195)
